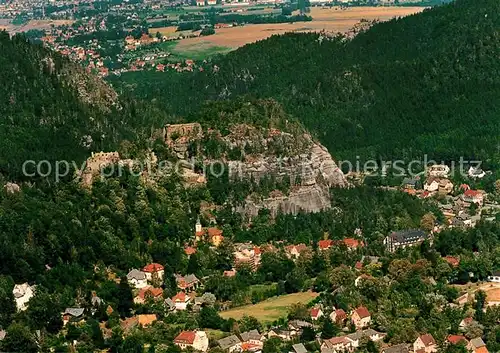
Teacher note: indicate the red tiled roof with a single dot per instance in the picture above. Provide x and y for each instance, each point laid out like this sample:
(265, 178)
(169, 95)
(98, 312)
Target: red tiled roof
(362, 312)
(325, 244)
(359, 265)
(454, 339)
(472, 193)
(340, 314)
(190, 250)
(179, 297)
(185, 337)
(315, 312)
(337, 340)
(214, 232)
(300, 247)
(453, 261)
(154, 292)
(154, 267)
(352, 243)
(146, 319)
(482, 349)
(256, 250)
(427, 339)
(468, 320)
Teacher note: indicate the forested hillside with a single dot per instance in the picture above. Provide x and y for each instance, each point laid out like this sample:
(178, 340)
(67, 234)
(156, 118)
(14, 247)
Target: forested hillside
(427, 83)
(51, 109)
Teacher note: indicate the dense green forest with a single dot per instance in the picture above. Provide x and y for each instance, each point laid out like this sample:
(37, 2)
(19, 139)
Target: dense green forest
(423, 84)
(51, 110)
(428, 83)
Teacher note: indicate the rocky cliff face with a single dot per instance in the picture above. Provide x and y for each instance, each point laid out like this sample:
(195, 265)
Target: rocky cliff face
(312, 173)
(253, 153)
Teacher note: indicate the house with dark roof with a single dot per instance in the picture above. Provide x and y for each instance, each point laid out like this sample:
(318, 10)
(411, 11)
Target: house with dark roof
(495, 277)
(137, 279)
(72, 315)
(187, 283)
(405, 238)
(398, 348)
(338, 316)
(230, 343)
(299, 348)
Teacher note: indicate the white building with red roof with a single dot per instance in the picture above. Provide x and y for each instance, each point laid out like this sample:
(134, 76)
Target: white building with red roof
(154, 269)
(316, 313)
(181, 301)
(473, 196)
(361, 317)
(197, 340)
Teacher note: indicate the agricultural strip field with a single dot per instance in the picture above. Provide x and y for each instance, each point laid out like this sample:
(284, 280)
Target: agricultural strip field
(270, 309)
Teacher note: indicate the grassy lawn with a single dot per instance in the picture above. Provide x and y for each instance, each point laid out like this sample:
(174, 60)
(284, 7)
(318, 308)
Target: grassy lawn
(271, 309)
(195, 51)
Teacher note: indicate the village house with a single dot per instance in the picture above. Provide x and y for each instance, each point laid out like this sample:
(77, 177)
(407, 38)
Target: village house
(293, 251)
(477, 345)
(438, 170)
(425, 344)
(148, 292)
(187, 283)
(22, 295)
(200, 2)
(359, 279)
(325, 244)
(197, 340)
(465, 323)
(457, 339)
(189, 251)
(285, 335)
(399, 348)
(410, 183)
(361, 317)
(370, 334)
(251, 341)
(495, 277)
(181, 301)
(72, 315)
(299, 348)
(352, 243)
(338, 316)
(336, 344)
(316, 313)
(145, 320)
(452, 261)
(473, 196)
(230, 343)
(404, 239)
(298, 325)
(476, 173)
(137, 279)
(154, 270)
(212, 234)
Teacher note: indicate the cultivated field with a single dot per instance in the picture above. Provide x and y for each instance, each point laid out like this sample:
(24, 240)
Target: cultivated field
(328, 19)
(492, 291)
(38, 24)
(271, 309)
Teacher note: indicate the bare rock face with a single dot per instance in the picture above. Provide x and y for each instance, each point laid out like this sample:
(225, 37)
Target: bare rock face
(293, 157)
(312, 173)
(309, 199)
(12, 188)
